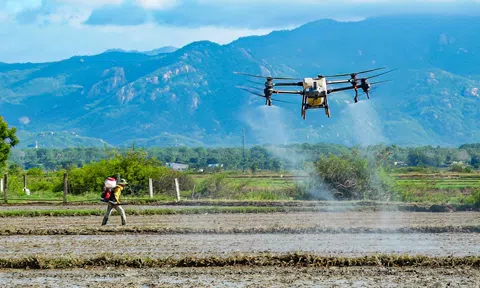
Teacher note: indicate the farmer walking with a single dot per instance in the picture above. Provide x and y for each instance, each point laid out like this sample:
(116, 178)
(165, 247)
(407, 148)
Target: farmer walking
(114, 202)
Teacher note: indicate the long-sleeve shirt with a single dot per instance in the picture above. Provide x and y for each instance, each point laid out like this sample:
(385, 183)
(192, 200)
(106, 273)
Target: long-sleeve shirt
(117, 191)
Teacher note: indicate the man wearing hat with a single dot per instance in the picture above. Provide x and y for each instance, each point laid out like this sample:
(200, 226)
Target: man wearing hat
(114, 202)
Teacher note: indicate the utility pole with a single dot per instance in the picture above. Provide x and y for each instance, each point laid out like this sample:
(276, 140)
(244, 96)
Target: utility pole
(243, 149)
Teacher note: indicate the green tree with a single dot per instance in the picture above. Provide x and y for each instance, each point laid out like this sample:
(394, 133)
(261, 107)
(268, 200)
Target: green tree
(475, 162)
(8, 139)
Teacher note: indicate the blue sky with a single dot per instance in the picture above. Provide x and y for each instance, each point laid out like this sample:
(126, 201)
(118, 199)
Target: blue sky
(48, 30)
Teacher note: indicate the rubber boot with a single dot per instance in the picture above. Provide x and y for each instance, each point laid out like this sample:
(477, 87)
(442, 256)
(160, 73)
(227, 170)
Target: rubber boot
(104, 221)
(124, 222)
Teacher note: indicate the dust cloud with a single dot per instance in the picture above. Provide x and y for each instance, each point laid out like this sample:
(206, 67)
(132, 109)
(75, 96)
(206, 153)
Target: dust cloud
(368, 130)
(271, 125)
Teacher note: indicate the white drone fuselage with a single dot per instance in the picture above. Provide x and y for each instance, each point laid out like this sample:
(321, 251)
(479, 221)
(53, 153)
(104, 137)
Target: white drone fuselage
(315, 90)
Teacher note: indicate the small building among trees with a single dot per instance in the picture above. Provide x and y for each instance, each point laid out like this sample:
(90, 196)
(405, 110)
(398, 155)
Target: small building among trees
(178, 166)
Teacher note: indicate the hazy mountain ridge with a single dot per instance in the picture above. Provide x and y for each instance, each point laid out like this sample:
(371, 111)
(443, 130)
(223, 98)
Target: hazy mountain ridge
(121, 97)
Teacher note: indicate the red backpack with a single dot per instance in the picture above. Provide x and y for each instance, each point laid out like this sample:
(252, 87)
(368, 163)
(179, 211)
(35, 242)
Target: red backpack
(108, 186)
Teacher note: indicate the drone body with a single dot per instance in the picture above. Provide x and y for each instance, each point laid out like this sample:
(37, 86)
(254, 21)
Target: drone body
(316, 90)
(315, 95)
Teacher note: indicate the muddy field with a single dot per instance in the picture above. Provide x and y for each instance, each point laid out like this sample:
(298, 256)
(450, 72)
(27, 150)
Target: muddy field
(127, 241)
(259, 220)
(181, 246)
(245, 277)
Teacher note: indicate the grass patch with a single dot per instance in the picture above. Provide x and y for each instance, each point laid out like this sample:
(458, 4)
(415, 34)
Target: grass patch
(236, 207)
(99, 212)
(452, 188)
(285, 260)
(438, 188)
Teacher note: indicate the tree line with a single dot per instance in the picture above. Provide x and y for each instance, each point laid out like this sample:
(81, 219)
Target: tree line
(273, 158)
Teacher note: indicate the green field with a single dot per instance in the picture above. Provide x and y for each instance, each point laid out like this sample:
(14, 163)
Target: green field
(445, 187)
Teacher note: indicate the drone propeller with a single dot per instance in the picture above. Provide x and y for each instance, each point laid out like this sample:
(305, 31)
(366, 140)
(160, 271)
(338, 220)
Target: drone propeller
(267, 77)
(255, 82)
(246, 89)
(250, 87)
(379, 82)
(370, 77)
(350, 74)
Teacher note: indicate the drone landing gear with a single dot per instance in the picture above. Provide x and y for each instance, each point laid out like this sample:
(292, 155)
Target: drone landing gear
(327, 111)
(304, 107)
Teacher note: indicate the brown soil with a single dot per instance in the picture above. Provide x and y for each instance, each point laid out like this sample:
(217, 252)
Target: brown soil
(224, 245)
(379, 220)
(199, 245)
(245, 277)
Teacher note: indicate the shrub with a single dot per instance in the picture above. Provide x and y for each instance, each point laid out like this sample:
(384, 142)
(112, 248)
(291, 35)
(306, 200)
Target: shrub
(352, 177)
(456, 168)
(474, 199)
(35, 172)
(135, 167)
(216, 186)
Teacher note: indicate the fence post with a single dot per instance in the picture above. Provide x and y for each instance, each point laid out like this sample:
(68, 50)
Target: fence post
(5, 188)
(25, 185)
(118, 177)
(65, 187)
(177, 188)
(1, 185)
(150, 187)
(193, 192)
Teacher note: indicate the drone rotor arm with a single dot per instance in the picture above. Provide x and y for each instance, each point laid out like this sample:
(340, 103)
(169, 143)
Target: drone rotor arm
(339, 82)
(287, 92)
(339, 89)
(289, 84)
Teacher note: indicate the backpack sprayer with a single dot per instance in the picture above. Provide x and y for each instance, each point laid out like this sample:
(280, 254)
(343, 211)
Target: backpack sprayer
(107, 194)
(108, 186)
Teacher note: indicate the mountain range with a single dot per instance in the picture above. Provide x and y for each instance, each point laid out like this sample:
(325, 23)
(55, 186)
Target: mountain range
(187, 96)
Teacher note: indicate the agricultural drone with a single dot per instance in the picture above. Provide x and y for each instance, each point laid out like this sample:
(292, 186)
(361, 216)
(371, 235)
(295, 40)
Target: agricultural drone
(315, 90)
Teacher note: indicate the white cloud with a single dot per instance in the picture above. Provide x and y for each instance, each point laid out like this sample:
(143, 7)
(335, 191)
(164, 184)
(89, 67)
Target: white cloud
(17, 6)
(24, 120)
(64, 14)
(33, 43)
(91, 3)
(156, 4)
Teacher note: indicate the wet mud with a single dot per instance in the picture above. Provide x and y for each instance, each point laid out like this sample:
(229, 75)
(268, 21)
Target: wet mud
(245, 277)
